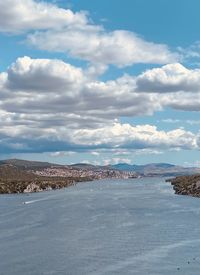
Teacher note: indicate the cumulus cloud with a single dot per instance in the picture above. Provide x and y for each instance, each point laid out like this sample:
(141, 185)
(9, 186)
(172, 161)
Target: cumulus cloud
(51, 106)
(115, 136)
(61, 30)
(140, 136)
(184, 101)
(40, 86)
(177, 86)
(48, 105)
(169, 78)
(18, 16)
(121, 48)
(42, 75)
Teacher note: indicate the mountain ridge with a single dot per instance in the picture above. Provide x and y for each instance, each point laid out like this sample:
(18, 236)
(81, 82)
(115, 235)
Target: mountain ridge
(144, 169)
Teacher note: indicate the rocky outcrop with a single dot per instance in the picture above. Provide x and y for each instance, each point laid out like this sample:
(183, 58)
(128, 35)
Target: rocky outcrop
(32, 187)
(186, 185)
(9, 187)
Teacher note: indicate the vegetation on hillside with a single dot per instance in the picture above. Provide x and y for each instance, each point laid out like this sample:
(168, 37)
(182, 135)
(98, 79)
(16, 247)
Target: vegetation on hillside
(187, 185)
(16, 180)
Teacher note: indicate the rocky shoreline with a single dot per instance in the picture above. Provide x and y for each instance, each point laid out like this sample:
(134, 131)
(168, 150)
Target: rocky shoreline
(26, 177)
(186, 185)
(19, 176)
(16, 180)
(16, 187)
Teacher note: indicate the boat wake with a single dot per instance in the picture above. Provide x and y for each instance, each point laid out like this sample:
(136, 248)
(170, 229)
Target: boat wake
(33, 201)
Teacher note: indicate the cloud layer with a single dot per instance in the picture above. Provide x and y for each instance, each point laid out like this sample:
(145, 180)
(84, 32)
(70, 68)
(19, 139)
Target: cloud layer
(121, 48)
(53, 106)
(50, 105)
(61, 30)
(17, 16)
(169, 78)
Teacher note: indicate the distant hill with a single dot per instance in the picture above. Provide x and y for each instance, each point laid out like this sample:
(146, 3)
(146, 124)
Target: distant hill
(164, 169)
(87, 166)
(18, 176)
(125, 167)
(9, 172)
(131, 167)
(160, 169)
(22, 176)
(26, 164)
(82, 166)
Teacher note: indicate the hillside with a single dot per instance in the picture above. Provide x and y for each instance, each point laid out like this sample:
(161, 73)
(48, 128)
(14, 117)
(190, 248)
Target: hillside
(21, 176)
(157, 169)
(27, 164)
(18, 180)
(186, 185)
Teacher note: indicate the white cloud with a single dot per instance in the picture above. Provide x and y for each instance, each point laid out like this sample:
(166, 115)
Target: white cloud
(187, 121)
(177, 86)
(147, 151)
(95, 153)
(38, 88)
(42, 75)
(51, 28)
(192, 122)
(169, 78)
(24, 15)
(121, 48)
(113, 161)
(122, 152)
(185, 101)
(54, 106)
(191, 53)
(140, 136)
(81, 112)
(61, 154)
(171, 120)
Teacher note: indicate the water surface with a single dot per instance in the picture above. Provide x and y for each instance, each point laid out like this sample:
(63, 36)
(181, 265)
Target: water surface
(135, 226)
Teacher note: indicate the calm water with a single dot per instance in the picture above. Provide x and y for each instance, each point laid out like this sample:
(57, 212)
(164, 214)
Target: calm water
(135, 226)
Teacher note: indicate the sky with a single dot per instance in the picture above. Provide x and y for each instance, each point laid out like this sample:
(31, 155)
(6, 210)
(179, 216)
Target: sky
(100, 82)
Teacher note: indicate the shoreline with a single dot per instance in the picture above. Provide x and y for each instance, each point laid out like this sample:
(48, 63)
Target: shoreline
(38, 185)
(186, 185)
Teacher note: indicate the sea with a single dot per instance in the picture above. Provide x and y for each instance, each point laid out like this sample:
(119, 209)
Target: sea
(134, 226)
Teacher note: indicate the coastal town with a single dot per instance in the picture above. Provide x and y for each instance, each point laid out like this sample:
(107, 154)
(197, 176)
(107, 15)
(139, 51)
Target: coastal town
(18, 176)
(98, 173)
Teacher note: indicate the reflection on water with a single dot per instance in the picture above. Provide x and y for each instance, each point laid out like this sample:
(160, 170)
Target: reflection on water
(135, 226)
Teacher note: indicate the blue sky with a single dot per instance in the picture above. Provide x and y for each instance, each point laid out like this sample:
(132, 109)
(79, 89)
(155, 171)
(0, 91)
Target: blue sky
(100, 81)
(174, 23)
